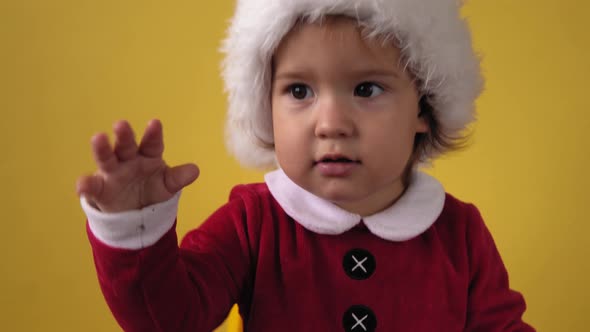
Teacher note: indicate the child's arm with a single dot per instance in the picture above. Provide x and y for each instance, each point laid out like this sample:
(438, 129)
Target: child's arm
(492, 305)
(149, 283)
(161, 287)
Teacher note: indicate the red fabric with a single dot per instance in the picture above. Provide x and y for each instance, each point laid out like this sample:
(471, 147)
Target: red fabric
(286, 278)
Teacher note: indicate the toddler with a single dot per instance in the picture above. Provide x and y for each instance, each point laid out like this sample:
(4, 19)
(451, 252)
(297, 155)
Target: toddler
(345, 100)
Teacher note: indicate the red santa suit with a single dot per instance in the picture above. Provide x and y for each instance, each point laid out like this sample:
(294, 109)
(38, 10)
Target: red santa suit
(295, 262)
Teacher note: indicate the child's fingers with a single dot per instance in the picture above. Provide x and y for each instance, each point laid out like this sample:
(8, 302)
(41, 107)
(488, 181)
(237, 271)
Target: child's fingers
(103, 153)
(90, 186)
(176, 178)
(125, 145)
(152, 143)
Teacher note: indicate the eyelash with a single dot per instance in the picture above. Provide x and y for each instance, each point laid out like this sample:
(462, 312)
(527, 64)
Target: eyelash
(308, 91)
(372, 86)
(291, 89)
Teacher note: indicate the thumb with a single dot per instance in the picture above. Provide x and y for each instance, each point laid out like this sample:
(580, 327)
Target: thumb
(90, 187)
(178, 177)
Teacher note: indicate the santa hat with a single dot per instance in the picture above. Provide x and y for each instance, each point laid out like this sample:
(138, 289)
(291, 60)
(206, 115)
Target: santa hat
(435, 42)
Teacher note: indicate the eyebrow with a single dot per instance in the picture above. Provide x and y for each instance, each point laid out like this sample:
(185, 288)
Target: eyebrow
(299, 74)
(376, 72)
(289, 75)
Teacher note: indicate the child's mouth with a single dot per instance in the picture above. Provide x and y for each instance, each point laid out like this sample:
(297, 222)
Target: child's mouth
(336, 165)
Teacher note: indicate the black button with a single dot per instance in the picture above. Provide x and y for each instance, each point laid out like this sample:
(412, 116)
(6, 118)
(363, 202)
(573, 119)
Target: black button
(359, 319)
(358, 264)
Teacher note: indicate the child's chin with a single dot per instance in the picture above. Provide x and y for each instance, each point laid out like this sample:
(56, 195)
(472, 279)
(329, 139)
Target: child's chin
(342, 196)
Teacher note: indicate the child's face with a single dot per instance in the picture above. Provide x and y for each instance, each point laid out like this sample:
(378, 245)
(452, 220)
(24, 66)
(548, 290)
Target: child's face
(344, 115)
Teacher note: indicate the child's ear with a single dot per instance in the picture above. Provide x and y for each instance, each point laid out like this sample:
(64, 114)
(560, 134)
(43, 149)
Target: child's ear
(422, 124)
(425, 114)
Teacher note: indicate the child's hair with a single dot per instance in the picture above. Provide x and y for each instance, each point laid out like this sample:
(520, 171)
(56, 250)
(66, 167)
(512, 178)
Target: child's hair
(435, 44)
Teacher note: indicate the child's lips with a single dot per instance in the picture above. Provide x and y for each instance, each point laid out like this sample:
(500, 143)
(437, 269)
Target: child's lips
(336, 169)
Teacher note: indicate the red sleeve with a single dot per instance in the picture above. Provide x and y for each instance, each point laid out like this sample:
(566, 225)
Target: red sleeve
(492, 305)
(165, 287)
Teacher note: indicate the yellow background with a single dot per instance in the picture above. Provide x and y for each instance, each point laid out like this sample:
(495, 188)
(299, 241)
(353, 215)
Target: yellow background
(69, 69)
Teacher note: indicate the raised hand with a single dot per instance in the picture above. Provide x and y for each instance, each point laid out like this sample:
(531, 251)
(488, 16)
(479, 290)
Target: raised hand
(129, 176)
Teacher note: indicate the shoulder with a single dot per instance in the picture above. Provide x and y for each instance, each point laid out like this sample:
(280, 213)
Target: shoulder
(252, 196)
(460, 212)
(244, 201)
(459, 219)
(251, 202)
(456, 208)
(249, 191)
(240, 218)
(466, 218)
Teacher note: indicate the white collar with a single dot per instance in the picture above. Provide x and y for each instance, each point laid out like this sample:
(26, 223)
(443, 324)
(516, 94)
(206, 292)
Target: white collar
(410, 216)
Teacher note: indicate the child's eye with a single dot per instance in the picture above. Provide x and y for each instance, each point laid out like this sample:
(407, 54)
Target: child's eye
(300, 91)
(367, 89)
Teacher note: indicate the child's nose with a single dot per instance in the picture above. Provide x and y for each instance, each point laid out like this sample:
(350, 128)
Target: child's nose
(333, 119)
